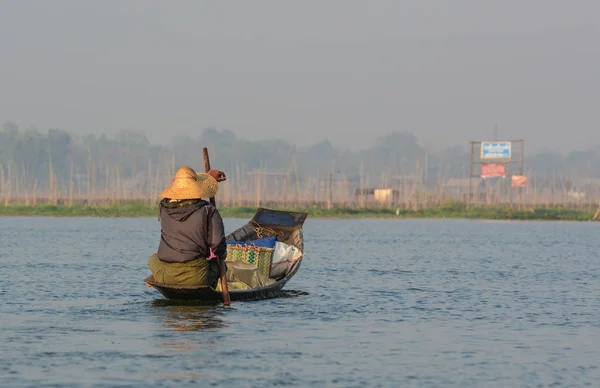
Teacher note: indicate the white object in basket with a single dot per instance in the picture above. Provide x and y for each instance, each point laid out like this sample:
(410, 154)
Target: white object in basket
(284, 256)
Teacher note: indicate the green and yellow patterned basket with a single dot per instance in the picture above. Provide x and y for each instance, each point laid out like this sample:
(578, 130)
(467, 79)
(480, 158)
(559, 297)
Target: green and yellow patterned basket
(261, 257)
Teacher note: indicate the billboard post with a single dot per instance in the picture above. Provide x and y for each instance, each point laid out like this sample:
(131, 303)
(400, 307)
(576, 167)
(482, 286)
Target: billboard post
(494, 159)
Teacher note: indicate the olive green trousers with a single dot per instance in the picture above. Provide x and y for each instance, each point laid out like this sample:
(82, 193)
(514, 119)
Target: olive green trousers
(200, 272)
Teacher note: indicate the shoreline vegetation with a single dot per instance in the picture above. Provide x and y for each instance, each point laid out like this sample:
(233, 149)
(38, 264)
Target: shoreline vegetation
(58, 174)
(449, 210)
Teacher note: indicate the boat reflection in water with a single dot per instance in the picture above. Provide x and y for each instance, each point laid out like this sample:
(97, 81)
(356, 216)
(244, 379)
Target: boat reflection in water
(190, 330)
(178, 315)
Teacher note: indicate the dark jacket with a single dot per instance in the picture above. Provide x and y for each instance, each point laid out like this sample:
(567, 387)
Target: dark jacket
(188, 229)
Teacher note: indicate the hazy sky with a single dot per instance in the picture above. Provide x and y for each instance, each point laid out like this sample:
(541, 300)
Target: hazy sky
(307, 70)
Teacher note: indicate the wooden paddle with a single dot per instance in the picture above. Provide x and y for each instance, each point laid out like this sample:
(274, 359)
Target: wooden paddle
(224, 288)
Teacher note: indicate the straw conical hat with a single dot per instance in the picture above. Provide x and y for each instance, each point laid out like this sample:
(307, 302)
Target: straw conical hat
(188, 184)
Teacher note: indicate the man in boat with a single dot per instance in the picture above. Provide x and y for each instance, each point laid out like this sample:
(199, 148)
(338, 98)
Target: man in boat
(190, 229)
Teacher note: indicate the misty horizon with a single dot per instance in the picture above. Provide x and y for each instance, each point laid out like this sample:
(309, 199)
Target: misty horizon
(375, 141)
(346, 72)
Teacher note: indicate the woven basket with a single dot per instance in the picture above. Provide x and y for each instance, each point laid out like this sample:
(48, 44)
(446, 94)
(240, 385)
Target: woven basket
(261, 257)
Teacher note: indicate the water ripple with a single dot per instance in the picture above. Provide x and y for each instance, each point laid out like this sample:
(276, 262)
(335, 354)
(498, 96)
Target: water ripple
(377, 303)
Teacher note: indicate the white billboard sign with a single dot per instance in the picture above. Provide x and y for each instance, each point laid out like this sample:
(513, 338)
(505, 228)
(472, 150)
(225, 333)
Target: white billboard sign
(495, 150)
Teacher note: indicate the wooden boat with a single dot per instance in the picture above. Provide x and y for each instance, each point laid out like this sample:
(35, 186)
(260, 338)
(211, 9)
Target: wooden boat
(265, 223)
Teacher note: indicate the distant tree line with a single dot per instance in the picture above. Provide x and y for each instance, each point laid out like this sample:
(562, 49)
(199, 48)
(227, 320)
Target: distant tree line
(41, 160)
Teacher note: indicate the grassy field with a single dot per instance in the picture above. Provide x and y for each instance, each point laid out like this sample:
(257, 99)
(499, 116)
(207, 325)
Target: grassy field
(450, 210)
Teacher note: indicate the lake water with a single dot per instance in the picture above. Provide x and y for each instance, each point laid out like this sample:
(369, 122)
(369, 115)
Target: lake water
(390, 303)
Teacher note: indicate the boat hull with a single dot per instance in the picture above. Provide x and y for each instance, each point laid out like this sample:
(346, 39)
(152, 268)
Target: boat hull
(209, 294)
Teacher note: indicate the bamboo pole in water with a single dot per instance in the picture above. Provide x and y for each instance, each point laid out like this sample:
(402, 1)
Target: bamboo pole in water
(155, 185)
(94, 182)
(110, 188)
(537, 193)
(330, 197)
(114, 177)
(305, 193)
(258, 182)
(113, 185)
(132, 187)
(107, 192)
(241, 191)
(16, 184)
(284, 199)
(31, 184)
(551, 191)
(88, 180)
(361, 185)
(10, 182)
(423, 183)
(416, 185)
(245, 184)
(297, 179)
(71, 185)
(3, 186)
(316, 188)
(79, 196)
(119, 184)
(34, 192)
(565, 191)
(147, 186)
(405, 186)
(439, 182)
(50, 181)
(552, 188)
(23, 184)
